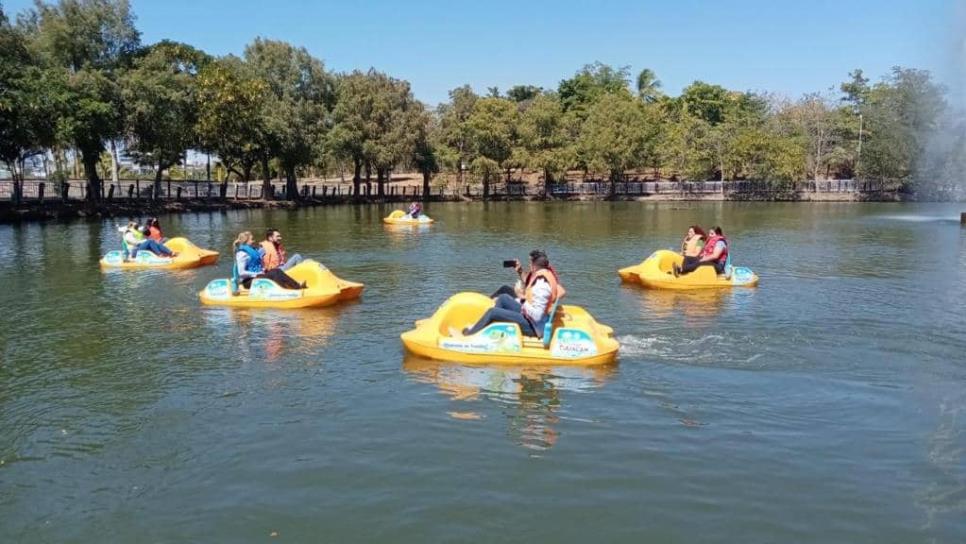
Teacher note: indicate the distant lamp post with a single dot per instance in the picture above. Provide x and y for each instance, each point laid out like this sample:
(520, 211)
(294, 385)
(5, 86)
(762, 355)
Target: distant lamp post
(859, 153)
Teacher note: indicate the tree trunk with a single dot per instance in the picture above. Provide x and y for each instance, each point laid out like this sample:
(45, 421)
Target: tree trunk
(356, 177)
(94, 183)
(156, 193)
(267, 190)
(114, 163)
(368, 178)
(381, 181)
(291, 184)
(246, 172)
(426, 176)
(486, 186)
(546, 182)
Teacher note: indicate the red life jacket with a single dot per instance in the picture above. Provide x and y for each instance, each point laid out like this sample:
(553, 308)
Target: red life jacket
(709, 247)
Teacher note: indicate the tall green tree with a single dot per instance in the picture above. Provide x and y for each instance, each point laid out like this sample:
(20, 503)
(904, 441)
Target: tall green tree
(230, 105)
(454, 131)
(616, 137)
(425, 157)
(301, 94)
(91, 40)
(160, 93)
(545, 138)
(492, 129)
(28, 105)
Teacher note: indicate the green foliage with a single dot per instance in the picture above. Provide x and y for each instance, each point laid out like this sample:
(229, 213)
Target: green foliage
(590, 83)
(73, 77)
(160, 104)
(457, 149)
(492, 129)
(300, 95)
(648, 86)
(616, 136)
(230, 104)
(523, 93)
(545, 137)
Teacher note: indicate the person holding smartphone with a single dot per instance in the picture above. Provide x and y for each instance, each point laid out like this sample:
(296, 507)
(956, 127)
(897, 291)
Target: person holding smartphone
(531, 311)
(517, 290)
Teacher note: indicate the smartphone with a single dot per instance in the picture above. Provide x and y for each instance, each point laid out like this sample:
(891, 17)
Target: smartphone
(510, 264)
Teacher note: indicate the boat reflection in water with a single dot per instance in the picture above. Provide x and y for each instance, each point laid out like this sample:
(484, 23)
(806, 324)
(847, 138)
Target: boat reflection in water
(698, 304)
(270, 334)
(535, 394)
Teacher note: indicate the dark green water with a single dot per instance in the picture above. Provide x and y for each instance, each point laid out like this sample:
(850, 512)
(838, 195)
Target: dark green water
(828, 405)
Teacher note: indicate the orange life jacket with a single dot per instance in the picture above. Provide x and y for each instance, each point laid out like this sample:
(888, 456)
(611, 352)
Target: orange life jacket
(556, 289)
(274, 256)
(690, 246)
(154, 233)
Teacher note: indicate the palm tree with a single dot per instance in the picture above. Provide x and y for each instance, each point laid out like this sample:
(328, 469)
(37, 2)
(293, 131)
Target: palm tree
(648, 86)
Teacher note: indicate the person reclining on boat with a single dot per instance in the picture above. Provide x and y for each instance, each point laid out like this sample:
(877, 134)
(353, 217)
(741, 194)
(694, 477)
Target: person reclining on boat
(136, 241)
(248, 259)
(532, 311)
(415, 209)
(517, 290)
(275, 253)
(691, 247)
(714, 253)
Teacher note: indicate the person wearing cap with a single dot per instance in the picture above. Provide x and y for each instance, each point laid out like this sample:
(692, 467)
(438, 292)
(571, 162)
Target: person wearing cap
(531, 311)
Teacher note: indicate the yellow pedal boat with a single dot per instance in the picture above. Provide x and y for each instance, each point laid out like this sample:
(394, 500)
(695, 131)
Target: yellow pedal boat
(188, 256)
(571, 337)
(323, 289)
(399, 217)
(657, 272)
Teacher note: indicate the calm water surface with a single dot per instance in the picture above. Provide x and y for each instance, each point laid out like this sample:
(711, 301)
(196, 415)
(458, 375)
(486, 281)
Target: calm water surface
(828, 405)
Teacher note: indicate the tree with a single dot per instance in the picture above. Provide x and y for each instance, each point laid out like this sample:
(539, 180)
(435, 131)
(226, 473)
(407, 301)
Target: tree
(813, 118)
(425, 156)
(616, 136)
(492, 129)
(523, 93)
(454, 129)
(300, 96)
(396, 124)
(27, 104)
(900, 113)
(161, 105)
(648, 86)
(89, 40)
(545, 138)
(230, 104)
(591, 82)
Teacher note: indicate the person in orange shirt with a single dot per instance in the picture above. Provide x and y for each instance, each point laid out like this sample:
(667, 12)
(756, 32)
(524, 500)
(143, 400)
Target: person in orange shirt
(154, 231)
(275, 256)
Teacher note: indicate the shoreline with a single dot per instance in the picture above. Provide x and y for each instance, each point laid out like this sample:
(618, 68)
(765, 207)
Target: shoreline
(34, 211)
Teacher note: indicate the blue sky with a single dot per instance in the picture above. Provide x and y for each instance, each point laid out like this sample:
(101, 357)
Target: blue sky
(785, 47)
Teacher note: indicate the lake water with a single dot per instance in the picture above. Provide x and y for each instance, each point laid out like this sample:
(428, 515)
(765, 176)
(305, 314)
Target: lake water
(827, 405)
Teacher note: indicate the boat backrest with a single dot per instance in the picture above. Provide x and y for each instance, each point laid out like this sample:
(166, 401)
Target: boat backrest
(548, 327)
(234, 278)
(727, 267)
